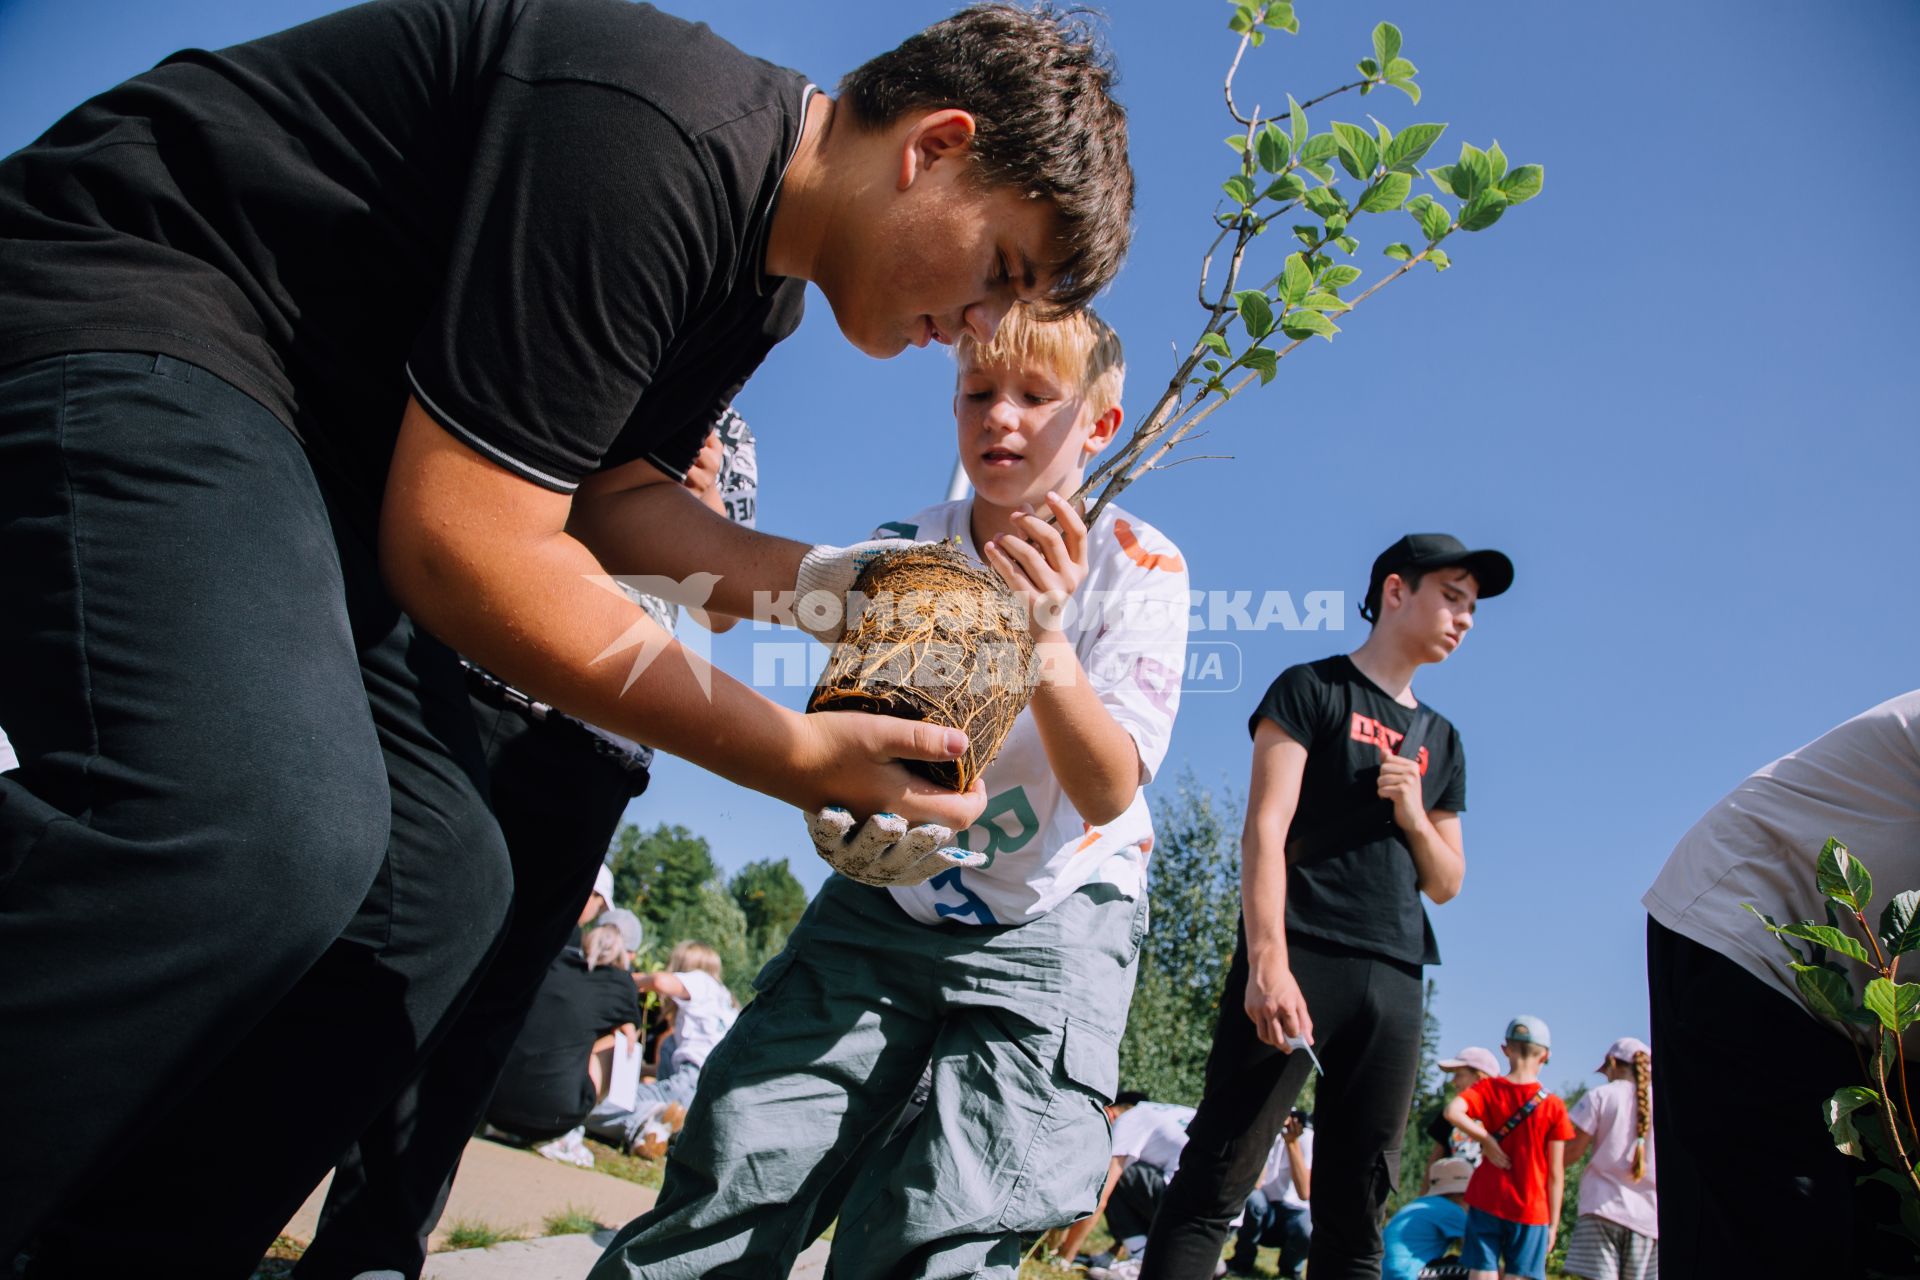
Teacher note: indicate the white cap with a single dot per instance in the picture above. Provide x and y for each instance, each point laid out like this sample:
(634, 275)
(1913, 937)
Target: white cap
(603, 884)
(1450, 1176)
(1623, 1050)
(1473, 1056)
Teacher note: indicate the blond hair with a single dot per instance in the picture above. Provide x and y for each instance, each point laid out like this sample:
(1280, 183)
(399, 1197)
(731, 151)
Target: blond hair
(603, 945)
(1642, 1111)
(689, 956)
(1080, 347)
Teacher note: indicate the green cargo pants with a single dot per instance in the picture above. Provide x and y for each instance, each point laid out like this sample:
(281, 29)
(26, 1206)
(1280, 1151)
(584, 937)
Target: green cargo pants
(1022, 1026)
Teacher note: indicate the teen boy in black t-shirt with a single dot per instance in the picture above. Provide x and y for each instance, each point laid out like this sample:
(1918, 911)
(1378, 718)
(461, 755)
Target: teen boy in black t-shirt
(1352, 814)
(332, 353)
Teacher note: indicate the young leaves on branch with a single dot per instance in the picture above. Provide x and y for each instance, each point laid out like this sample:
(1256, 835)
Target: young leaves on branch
(1281, 166)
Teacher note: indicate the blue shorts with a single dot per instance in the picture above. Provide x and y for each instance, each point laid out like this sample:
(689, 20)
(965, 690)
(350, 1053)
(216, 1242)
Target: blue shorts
(1490, 1239)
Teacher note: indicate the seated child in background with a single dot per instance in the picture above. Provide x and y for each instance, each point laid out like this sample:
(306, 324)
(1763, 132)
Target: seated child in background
(1010, 970)
(547, 1087)
(1277, 1214)
(1513, 1200)
(1418, 1237)
(703, 1011)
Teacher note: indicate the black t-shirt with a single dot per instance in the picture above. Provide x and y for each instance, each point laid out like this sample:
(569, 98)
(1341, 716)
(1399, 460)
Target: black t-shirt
(545, 1084)
(545, 218)
(1368, 896)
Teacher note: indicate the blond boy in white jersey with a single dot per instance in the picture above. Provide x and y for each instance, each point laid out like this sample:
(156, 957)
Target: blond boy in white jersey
(1010, 970)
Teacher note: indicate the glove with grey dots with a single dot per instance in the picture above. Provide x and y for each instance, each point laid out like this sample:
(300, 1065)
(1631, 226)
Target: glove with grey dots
(883, 850)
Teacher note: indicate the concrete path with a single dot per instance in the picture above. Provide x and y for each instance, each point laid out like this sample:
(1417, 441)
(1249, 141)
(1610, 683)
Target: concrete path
(515, 1191)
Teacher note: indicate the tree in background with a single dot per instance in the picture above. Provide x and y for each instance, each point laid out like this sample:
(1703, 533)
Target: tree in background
(1194, 882)
(661, 872)
(1431, 1090)
(772, 901)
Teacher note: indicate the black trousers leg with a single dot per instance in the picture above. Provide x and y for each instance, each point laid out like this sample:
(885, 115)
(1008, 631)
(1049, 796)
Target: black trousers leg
(1136, 1199)
(1750, 1181)
(1366, 1015)
(558, 803)
(201, 803)
(333, 1046)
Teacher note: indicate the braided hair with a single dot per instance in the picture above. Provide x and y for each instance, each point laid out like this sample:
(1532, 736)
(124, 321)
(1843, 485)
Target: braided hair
(1642, 1111)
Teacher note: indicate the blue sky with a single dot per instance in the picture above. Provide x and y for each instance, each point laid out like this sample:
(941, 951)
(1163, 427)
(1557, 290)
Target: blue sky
(1668, 388)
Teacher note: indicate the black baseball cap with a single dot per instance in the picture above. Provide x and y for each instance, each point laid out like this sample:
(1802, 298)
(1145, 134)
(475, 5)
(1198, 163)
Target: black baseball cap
(1423, 551)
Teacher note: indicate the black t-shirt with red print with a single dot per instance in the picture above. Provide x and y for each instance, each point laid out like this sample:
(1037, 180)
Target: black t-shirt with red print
(1367, 896)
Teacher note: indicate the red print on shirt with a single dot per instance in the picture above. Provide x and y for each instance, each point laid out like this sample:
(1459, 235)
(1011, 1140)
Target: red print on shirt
(1367, 729)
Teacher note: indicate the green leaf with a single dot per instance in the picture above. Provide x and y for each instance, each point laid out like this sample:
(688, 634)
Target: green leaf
(1281, 18)
(1840, 876)
(1256, 38)
(1321, 146)
(1483, 210)
(1524, 183)
(1442, 178)
(1240, 23)
(1409, 88)
(1368, 68)
(1272, 148)
(1387, 193)
(1298, 119)
(1238, 141)
(1839, 1116)
(1386, 43)
(1827, 992)
(1435, 221)
(1900, 923)
(1211, 365)
(1398, 252)
(1473, 174)
(1256, 313)
(1398, 69)
(1341, 276)
(1439, 259)
(1498, 159)
(1284, 188)
(1824, 935)
(1319, 169)
(1320, 300)
(1410, 144)
(1216, 342)
(1896, 1004)
(1326, 202)
(1359, 152)
(1296, 280)
(1307, 324)
(1265, 362)
(1239, 188)
(1347, 243)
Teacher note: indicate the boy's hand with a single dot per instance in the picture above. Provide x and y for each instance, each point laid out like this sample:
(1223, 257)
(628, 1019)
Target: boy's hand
(1490, 1147)
(703, 477)
(1400, 783)
(852, 759)
(1275, 1005)
(884, 850)
(1043, 564)
(1292, 1129)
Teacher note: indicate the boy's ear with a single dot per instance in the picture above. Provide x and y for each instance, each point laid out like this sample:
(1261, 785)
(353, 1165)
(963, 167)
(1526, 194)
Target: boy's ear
(946, 134)
(1105, 428)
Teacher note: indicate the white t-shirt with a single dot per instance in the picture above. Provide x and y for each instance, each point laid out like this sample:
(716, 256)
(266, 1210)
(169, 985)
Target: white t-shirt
(1129, 629)
(1607, 1188)
(701, 1019)
(1860, 782)
(1153, 1133)
(8, 760)
(1276, 1179)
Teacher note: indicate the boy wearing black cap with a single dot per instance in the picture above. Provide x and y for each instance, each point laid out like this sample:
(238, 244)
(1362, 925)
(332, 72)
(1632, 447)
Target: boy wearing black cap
(1352, 813)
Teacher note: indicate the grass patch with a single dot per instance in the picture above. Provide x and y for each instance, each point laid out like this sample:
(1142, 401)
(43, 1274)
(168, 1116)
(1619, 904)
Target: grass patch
(470, 1233)
(279, 1259)
(571, 1221)
(618, 1163)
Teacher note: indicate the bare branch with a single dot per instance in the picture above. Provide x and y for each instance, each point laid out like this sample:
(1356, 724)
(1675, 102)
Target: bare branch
(1195, 457)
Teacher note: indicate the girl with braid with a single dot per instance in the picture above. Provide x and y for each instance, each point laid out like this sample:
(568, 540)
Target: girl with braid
(1617, 1236)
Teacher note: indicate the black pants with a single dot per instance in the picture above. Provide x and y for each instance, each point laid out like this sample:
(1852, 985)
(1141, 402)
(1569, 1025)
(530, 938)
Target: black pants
(247, 870)
(1366, 1025)
(1750, 1181)
(558, 800)
(1135, 1201)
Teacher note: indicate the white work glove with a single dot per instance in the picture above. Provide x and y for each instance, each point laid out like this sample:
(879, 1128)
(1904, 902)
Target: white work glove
(885, 851)
(831, 572)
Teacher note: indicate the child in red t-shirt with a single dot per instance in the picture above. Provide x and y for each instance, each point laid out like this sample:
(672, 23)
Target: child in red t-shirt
(1513, 1201)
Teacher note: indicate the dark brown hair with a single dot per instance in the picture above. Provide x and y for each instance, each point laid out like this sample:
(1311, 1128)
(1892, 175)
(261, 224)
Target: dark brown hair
(1038, 84)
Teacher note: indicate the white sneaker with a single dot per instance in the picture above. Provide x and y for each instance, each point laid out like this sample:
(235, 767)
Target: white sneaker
(1125, 1269)
(569, 1148)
